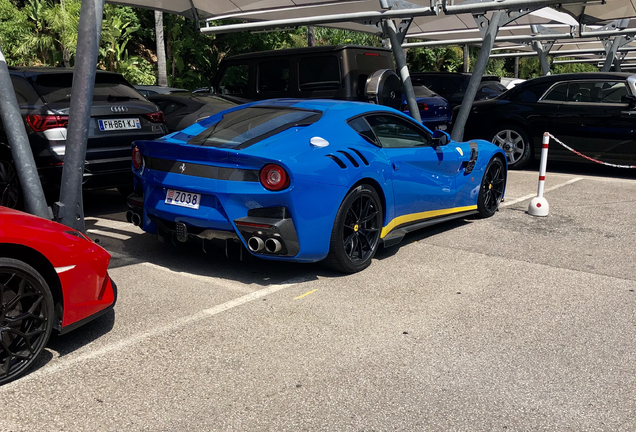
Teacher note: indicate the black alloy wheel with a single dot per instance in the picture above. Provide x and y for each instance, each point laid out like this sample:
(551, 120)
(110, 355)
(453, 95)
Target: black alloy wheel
(10, 191)
(26, 317)
(492, 187)
(356, 233)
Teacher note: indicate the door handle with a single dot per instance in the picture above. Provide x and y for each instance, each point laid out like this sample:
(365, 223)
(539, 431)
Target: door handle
(629, 114)
(395, 167)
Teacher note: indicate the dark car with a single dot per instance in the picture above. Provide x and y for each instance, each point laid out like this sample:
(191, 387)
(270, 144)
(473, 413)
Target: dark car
(119, 116)
(183, 110)
(434, 110)
(452, 86)
(320, 72)
(593, 112)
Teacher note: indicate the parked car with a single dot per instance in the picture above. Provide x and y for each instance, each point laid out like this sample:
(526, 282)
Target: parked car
(452, 86)
(52, 278)
(182, 110)
(119, 115)
(592, 112)
(319, 72)
(148, 90)
(303, 180)
(434, 110)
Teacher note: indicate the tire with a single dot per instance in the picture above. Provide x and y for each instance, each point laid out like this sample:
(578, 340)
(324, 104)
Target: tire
(515, 142)
(26, 317)
(493, 184)
(10, 190)
(355, 236)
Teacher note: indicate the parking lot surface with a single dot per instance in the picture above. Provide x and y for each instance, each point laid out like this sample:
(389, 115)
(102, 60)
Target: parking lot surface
(507, 323)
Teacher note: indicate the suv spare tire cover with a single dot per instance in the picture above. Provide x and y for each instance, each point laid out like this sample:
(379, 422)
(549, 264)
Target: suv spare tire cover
(384, 88)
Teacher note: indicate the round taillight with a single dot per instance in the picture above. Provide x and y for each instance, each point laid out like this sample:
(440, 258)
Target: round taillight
(274, 177)
(136, 158)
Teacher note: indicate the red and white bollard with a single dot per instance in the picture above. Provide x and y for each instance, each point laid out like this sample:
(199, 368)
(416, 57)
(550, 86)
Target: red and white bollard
(539, 205)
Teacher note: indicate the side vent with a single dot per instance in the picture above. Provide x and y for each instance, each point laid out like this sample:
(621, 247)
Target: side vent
(362, 158)
(337, 160)
(351, 159)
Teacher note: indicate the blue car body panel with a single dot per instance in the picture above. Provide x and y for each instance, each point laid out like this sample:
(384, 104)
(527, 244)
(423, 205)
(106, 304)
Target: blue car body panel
(413, 183)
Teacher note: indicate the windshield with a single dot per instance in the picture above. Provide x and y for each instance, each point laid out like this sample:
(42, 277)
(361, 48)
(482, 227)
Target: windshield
(242, 128)
(56, 87)
(422, 91)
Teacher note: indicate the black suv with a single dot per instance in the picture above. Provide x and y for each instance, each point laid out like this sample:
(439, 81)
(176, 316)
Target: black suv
(119, 116)
(452, 86)
(322, 72)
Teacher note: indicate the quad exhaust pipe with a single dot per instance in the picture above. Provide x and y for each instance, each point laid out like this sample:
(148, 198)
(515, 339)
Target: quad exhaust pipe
(256, 244)
(133, 218)
(271, 245)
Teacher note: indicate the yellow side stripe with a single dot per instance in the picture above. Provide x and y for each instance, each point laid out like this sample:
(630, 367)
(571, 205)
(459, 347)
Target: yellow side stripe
(421, 216)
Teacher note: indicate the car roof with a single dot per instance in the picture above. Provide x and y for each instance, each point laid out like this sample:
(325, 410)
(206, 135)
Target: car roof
(453, 74)
(351, 108)
(41, 70)
(304, 50)
(579, 76)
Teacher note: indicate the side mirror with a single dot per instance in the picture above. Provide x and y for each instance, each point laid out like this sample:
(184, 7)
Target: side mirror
(630, 99)
(440, 138)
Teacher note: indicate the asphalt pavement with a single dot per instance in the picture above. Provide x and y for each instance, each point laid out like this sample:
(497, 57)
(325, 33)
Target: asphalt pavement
(511, 323)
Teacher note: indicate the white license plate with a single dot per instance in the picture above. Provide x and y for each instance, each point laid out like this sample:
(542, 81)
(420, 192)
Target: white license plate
(119, 124)
(183, 199)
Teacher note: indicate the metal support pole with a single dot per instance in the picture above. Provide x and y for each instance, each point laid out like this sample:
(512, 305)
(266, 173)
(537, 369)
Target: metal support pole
(403, 70)
(311, 36)
(20, 148)
(611, 47)
(618, 61)
(543, 56)
(516, 67)
(466, 59)
(70, 211)
(489, 36)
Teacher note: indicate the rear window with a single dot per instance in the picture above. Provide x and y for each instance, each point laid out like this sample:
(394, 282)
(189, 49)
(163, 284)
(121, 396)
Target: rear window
(319, 73)
(273, 76)
(242, 128)
(422, 91)
(56, 87)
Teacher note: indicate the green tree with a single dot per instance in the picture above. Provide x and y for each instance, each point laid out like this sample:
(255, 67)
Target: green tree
(14, 29)
(574, 67)
(439, 59)
(41, 41)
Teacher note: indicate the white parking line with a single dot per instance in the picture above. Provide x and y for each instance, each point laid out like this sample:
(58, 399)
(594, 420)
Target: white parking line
(530, 196)
(109, 234)
(225, 283)
(157, 331)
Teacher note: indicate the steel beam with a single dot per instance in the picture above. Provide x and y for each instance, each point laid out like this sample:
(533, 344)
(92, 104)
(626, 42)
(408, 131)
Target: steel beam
(403, 70)
(562, 53)
(69, 210)
(366, 17)
(489, 35)
(542, 52)
(21, 152)
(517, 38)
(504, 5)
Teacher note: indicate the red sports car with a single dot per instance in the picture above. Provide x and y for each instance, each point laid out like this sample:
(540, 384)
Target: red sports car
(51, 278)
